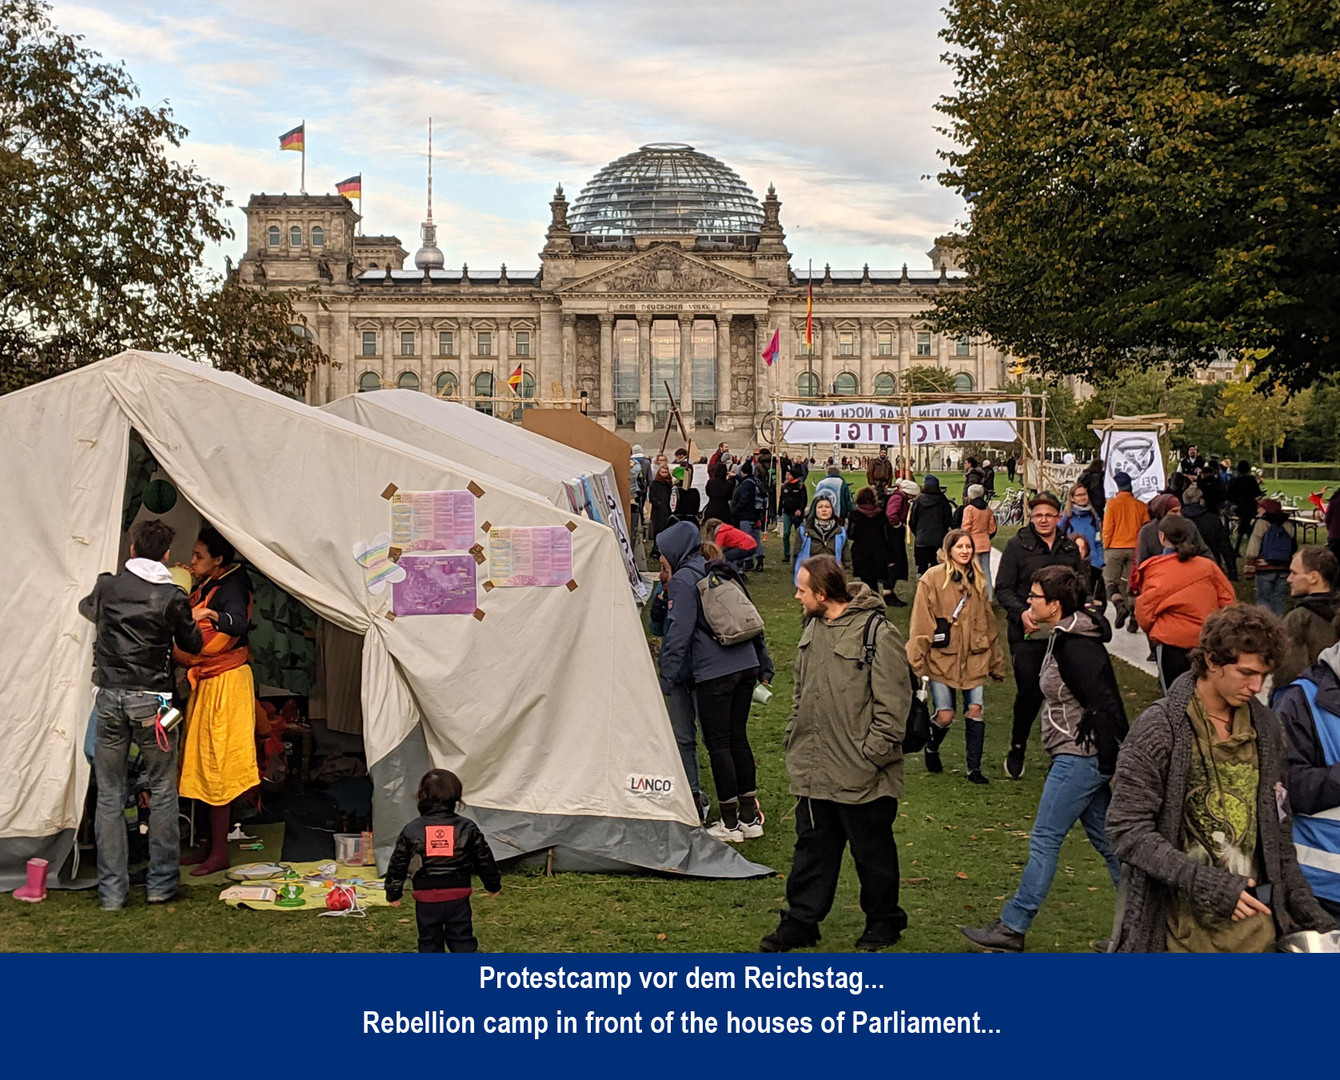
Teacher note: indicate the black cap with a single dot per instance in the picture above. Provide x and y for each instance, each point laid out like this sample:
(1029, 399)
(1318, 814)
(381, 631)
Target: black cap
(1044, 498)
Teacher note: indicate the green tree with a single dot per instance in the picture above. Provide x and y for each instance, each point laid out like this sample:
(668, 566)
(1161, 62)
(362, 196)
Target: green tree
(1147, 187)
(1138, 392)
(102, 232)
(1261, 414)
(1063, 411)
(928, 380)
(1318, 437)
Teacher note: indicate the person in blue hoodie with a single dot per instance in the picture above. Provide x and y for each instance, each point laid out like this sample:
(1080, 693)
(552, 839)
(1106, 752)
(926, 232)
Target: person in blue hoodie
(822, 534)
(1083, 519)
(723, 677)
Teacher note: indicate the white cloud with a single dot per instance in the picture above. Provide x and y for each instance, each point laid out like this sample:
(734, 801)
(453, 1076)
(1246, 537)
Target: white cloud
(832, 103)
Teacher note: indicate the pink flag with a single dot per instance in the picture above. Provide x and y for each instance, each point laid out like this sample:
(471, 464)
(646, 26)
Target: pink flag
(770, 353)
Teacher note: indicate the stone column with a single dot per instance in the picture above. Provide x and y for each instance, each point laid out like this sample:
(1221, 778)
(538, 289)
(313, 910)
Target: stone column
(824, 331)
(644, 418)
(723, 366)
(548, 352)
(686, 371)
(904, 349)
(568, 361)
(866, 346)
(390, 343)
(943, 350)
(426, 372)
(465, 354)
(606, 404)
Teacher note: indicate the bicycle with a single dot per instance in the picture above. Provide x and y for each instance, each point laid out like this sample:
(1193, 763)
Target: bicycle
(1009, 510)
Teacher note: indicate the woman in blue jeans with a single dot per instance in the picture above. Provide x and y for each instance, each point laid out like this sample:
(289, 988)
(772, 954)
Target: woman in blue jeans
(1083, 723)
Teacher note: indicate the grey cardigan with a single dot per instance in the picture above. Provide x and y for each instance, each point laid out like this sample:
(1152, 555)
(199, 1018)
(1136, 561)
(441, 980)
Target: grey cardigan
(1145, 818)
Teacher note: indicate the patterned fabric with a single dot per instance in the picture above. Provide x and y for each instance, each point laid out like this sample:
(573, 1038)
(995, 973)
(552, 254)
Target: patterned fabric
(1219, 828)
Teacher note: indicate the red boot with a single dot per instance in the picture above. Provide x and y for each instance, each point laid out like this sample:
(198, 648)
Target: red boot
(217, 859)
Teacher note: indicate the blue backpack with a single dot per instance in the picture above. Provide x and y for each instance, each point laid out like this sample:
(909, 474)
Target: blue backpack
(1277, 545)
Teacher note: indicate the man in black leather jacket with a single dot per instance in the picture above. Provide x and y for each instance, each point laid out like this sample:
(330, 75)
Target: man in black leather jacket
(139, 613)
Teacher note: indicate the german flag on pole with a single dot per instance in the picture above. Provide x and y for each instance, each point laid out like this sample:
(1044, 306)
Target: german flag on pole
(514, 379)
(353, 187)
(293, 140)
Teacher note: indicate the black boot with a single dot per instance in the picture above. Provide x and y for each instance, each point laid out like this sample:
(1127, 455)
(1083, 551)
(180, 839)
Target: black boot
(790, 934)
(938, 733)
(974, 735)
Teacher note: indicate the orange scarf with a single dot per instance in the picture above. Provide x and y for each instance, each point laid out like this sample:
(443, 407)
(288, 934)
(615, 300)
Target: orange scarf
(221, 652)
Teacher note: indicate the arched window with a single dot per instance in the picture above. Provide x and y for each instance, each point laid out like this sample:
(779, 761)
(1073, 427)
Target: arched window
(527, 390)
(407, 381)
(808, 384)
(447, 384)
(274, 235)
(963, 382)
(318, 236)
(883, 384)
(294, 236)
(845, 384)
(369, 380)
(301, 331)
(484, 389)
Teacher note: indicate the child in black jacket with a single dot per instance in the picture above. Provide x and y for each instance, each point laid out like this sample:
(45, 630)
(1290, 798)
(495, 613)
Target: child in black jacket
(449, 847)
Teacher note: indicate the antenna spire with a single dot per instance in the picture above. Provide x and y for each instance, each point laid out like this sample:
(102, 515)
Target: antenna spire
(430, 168)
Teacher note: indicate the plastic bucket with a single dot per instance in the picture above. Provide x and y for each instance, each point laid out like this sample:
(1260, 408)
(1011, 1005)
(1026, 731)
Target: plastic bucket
(349, 848)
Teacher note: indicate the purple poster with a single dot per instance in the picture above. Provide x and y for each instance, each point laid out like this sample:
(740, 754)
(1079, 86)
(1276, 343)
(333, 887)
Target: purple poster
(435, 585)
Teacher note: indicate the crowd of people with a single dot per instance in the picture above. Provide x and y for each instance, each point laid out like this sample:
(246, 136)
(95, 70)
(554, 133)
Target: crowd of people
(1214, 812)
(1188, 805)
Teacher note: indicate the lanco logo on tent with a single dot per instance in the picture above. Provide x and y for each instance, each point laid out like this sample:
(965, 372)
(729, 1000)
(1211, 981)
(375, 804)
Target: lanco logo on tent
(651, 787)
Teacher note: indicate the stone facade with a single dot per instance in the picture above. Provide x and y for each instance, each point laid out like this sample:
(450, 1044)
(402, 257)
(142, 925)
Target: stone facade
(706, 304)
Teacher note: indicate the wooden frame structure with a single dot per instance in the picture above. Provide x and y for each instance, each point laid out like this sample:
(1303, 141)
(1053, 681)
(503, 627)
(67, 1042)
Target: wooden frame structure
(1026, 422)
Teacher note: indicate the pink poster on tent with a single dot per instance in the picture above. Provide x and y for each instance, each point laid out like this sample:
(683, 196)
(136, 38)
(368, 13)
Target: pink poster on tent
(535, 556)
(433, 520)
(435, 585)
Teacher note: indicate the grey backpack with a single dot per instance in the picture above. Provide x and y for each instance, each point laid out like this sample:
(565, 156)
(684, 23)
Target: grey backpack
(729, 613)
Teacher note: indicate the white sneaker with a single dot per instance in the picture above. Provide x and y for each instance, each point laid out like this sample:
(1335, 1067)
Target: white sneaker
(718, 831)
(753, 829)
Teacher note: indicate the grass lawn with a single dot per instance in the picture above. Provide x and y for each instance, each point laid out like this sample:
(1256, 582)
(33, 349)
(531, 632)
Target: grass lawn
(962, 849)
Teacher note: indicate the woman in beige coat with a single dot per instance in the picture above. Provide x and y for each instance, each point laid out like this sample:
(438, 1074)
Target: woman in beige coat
(952, 601)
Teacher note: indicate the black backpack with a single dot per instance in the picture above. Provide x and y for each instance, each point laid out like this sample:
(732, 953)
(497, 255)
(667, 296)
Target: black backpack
(918, 731)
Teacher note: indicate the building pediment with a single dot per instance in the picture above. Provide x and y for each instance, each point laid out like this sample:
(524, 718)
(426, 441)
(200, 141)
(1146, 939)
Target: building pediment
(664, 270)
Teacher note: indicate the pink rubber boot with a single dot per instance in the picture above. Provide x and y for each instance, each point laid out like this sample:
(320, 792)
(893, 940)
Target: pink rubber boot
(36, 889)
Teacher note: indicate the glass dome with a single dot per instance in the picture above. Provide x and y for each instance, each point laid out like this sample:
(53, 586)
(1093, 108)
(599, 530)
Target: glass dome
(666, 189)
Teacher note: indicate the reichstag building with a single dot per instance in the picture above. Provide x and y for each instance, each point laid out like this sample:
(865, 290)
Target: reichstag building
(666, 271)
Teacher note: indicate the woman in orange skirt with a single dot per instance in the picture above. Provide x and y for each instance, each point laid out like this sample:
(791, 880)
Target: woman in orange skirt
(218, 756)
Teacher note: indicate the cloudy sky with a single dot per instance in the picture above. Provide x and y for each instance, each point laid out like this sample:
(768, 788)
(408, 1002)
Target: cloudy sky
(832, 103)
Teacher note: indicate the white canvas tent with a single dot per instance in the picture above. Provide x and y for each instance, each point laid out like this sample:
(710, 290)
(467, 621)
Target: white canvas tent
(547, 707)
(457, 432)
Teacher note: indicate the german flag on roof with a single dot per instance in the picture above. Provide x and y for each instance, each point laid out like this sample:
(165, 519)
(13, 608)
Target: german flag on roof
(293, 140)
(353, 187)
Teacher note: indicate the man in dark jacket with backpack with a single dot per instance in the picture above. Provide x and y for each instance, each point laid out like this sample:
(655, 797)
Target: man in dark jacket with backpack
(723, 677)
(844, 755)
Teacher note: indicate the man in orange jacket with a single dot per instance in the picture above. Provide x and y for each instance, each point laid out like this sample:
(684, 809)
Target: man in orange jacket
(1123, 518)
